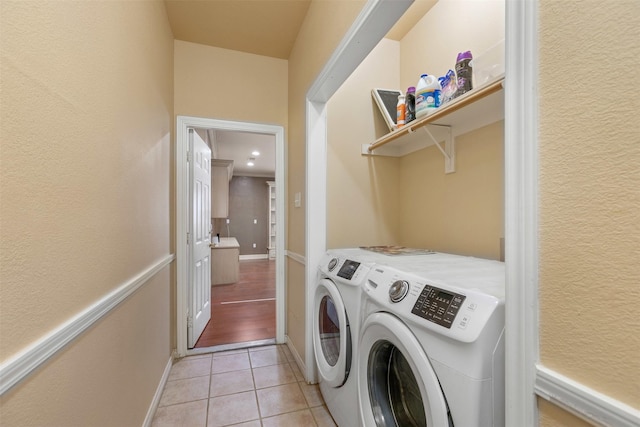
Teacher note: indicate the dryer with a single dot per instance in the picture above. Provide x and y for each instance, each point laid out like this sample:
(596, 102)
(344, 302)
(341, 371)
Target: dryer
(431, 347)
(337, 299)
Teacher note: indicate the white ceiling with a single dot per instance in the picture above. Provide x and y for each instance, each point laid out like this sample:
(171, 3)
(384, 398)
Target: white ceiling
(238, 146)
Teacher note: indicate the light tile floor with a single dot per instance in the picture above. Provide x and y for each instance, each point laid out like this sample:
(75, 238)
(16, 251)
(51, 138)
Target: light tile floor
(256, 387)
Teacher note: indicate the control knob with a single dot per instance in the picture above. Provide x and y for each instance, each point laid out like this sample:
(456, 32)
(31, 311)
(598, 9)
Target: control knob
(398, 290)
(333, 263)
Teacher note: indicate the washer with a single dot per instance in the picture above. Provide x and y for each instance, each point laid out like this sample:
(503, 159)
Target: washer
(337, 302)
(431, 347)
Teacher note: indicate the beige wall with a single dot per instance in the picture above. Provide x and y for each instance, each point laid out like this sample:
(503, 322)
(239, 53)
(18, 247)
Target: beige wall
(552, 416)
(461, 212)
(362, 191)
(225, 84)
(324, 26)
(589, 197)
(108, 376)
(450, 27)
(87, 107)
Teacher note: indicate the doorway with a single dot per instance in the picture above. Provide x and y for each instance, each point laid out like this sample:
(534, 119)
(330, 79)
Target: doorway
(184, 123)
(243, 306)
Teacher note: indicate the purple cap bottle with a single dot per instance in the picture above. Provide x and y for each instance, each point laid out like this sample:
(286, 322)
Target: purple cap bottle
(464, 71)
(410, 102)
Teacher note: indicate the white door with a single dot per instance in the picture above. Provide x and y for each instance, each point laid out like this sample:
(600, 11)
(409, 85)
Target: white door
(397, 385)
(331, 335)
(200, 237)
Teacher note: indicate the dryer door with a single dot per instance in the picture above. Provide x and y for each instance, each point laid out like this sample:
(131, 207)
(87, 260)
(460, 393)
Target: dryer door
(396, 384)
(331, 334)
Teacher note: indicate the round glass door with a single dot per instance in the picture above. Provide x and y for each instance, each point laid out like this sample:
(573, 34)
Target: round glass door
(396, 383)
(329, 330)
(393, 389)
(331, 335)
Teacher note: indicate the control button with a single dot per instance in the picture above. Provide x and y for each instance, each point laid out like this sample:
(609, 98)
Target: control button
(464, 322)
(398, 290)
(472, 306)
(333, 263)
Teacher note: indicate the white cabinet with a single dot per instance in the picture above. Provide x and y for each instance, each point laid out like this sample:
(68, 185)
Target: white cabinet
(271, 238)
(221, 173)
(225, 258)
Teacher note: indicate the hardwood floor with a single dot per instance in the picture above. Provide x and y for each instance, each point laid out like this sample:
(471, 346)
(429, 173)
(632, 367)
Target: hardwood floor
(245, 310)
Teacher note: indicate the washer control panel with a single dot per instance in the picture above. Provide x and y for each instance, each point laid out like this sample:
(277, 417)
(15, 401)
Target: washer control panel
(348, 269)
(340, 266)
(444, 301)
(438, 306)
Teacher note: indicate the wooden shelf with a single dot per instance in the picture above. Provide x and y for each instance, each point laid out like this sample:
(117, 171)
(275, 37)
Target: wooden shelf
(480, 107)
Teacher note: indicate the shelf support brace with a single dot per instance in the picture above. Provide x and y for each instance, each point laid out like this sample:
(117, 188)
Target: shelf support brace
(449, 147)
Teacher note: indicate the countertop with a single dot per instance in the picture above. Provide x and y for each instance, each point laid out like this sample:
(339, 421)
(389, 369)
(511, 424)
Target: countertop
(226, 243)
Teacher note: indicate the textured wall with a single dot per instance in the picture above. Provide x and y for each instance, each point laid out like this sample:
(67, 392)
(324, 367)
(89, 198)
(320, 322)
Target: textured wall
(552, 416)
(462, 212)
(451, 26)
(225, 84)
(590, 194)
(324, 26)
(108, 376)
(86, 113)
(362, 191)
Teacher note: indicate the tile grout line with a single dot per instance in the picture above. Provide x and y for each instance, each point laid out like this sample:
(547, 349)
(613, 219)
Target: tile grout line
(209, 391)
(255, 387)
(286, 361)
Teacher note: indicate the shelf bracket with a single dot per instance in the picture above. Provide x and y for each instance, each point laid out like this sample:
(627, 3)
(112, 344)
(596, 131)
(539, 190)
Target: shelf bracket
(449, 146)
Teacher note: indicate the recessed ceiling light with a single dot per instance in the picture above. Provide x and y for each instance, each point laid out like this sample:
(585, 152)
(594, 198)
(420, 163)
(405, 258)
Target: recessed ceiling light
(255, 153)
(250, 161)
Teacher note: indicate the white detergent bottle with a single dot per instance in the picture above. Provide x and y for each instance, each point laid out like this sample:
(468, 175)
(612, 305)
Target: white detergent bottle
(428, 93)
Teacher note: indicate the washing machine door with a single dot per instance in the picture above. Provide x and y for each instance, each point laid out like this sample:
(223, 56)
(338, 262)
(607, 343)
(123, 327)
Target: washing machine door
(331, 334)
(397, 385)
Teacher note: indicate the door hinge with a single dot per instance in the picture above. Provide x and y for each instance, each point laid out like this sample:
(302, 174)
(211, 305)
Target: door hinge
(189, 322)
(187, 238)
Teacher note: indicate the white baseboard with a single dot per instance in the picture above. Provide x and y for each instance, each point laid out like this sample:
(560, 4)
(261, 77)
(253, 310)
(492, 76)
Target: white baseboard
(254, 256)
(301, 365)
(19, 366)
(297, 257)
(158, 395)
(582, 401)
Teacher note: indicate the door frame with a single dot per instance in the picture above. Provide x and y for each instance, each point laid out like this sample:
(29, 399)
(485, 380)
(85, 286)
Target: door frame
(183, 123)
(521, 186)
